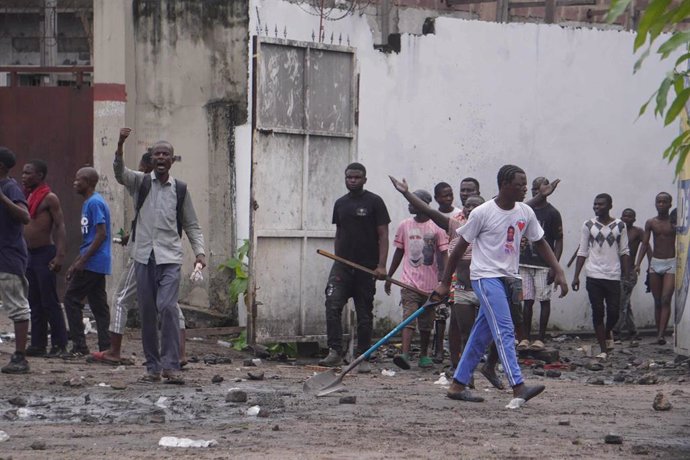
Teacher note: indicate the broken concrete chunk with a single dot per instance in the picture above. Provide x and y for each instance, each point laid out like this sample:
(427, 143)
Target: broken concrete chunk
(18, 401)
(38, 445)
(348, 400)
(594, 366)
(255, 375)
(648, 379)
(613, 439)
(661, 403)
(236, 395)
(118, 385)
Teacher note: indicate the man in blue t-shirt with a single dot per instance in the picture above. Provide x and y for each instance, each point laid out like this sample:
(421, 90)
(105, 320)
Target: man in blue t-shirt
(14, 214)
(86, 275)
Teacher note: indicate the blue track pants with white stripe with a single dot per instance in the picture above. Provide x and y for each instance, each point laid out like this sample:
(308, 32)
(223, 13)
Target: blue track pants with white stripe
(493, 323)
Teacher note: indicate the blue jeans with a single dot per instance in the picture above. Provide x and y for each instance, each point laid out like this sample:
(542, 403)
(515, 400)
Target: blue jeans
(494, 322)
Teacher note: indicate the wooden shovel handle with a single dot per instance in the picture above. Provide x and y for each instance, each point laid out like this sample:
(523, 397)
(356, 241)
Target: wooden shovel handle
(370, 271)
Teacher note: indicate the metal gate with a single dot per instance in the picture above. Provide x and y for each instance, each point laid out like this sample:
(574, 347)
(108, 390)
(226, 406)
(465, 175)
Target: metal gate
(53, 124)
(304, 134)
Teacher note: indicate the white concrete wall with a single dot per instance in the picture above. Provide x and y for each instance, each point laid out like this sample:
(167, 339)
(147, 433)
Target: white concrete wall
(558, 102)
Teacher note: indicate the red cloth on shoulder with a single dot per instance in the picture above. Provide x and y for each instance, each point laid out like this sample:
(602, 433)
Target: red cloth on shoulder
(36, 197)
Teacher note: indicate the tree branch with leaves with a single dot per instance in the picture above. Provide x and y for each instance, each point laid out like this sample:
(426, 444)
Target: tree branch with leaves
(664, 16)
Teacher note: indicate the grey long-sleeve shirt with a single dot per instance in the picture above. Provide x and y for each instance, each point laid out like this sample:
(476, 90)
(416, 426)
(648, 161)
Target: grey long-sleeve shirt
(157, 223)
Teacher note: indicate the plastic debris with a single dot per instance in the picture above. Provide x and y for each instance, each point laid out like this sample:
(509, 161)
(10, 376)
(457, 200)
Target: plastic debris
(196, 275)
(162, 402)
(253, 411)
(256, 361)
(4, 436)
(442, 380)
(223, 343)
(515, 403)
(103, 384)
(7, 336)
(88, 328)
(388, 373)
(197, 339)
(172, 441)
(24, 412)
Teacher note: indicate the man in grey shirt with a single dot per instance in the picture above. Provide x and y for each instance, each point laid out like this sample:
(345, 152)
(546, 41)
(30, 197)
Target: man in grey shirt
(157, 254)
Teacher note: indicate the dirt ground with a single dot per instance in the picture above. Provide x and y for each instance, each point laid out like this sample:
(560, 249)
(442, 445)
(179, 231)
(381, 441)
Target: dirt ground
(402, 416)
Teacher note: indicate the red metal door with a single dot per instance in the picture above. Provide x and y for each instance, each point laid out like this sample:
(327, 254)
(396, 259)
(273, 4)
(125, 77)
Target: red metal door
(53, 124)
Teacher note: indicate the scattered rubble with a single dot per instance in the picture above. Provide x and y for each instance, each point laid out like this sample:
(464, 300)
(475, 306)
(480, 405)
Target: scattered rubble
(661, 403)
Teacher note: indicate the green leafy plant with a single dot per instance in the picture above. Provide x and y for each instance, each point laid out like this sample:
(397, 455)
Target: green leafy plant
(283, 348)
(664, 16)
(239, 269)
(240, 343)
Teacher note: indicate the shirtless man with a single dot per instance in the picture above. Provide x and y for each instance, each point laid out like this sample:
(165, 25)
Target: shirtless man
(626, 319)
(662, 265)
(46, 240)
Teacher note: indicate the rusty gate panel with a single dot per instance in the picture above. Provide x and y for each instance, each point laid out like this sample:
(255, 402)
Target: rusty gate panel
(53, 124)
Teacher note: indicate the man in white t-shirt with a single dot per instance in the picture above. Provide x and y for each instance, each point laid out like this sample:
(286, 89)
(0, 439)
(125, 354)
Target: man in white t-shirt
(603, 244)
(495, 229)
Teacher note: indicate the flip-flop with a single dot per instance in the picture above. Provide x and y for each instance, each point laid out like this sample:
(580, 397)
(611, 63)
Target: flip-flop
(401, 362)
(173, 380)
(492, 378)
(464, 395)
(98, 357)
(149, 378)
(537, 345)
(531, 391)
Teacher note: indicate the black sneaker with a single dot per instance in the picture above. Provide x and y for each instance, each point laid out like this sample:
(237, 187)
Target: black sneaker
(332, 360)
(17, 365)
(35, 352)
(77, 352)
(57, 352)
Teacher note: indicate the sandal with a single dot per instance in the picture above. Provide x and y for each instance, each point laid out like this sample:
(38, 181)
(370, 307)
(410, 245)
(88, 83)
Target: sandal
(523, 345)
(425, 362)
(493, 379)
(172, 378)
(537, 345)
(402, 361)
(531, 391)
(464, 395)
(150, 378)
(98, 357)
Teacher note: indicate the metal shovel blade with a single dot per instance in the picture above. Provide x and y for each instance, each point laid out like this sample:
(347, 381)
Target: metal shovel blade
(321, 381)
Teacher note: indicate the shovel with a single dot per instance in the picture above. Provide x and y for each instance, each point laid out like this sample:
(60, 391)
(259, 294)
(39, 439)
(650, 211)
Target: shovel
(328, 382)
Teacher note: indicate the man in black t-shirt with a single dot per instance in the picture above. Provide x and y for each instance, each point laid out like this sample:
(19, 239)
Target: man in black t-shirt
(361, 236)
(537, 278)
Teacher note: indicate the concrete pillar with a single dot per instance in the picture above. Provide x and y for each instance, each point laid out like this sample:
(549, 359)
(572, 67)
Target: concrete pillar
(110, 51)
(49, 47)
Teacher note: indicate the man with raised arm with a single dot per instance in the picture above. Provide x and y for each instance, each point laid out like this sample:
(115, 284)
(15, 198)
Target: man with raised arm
(163, 209)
